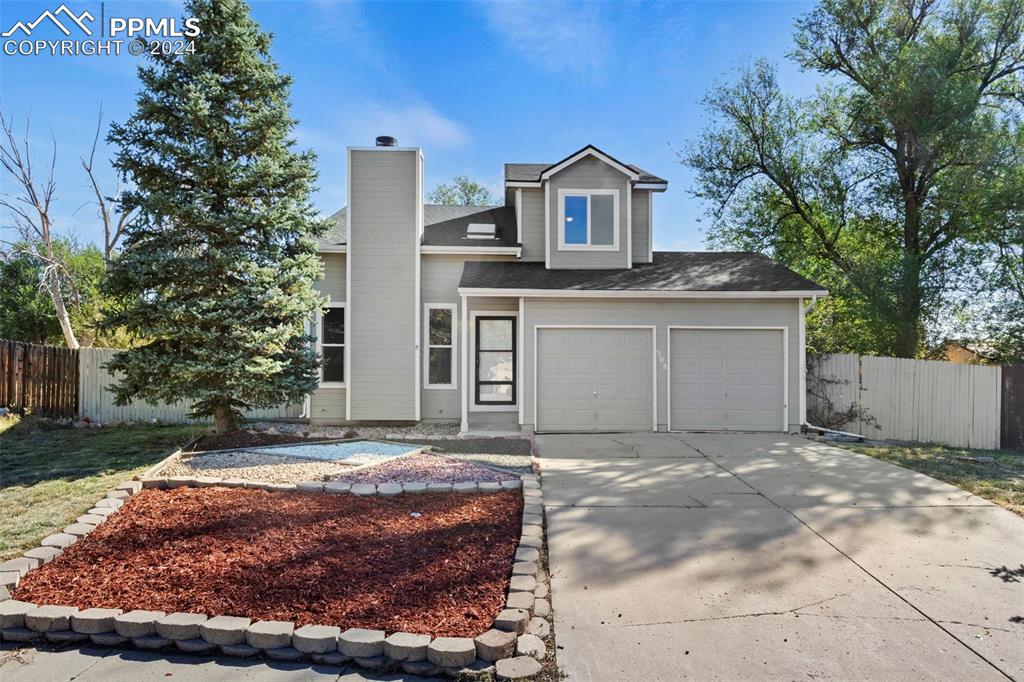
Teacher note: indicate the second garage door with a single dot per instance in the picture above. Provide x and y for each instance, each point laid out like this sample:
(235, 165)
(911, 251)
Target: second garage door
(595, 379)
(726, 379)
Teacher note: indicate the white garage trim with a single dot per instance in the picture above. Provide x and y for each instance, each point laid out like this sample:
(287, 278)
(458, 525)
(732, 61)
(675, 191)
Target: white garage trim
(785, 365)
(654, 360)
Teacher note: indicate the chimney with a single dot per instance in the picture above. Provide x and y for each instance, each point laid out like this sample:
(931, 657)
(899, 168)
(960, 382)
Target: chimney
(386, 141)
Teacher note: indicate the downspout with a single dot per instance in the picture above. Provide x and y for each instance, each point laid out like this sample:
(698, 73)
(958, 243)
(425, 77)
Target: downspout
(804, 309)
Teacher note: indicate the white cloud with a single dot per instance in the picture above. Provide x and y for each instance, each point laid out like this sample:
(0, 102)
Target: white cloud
(413, 123)
(555, 36)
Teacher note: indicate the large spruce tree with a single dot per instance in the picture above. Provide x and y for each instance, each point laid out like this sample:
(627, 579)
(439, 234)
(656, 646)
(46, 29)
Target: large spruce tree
(217, 268)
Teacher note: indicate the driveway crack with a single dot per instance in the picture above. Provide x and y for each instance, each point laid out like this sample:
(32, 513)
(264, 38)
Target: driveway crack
(933, 621)
(757, 614)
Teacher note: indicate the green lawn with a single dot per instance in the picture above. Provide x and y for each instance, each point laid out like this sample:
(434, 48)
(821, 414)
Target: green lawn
(1001, 481)
(50, 475)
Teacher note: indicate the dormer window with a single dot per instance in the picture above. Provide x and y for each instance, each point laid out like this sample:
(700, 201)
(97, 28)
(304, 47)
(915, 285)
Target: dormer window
(588, 220)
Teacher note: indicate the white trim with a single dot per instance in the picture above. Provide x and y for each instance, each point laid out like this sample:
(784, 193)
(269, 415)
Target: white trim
(333, 248)
(453, 383)
(629, 226)
(320, 346)
(348, 286)
(802, 340)
(384, 149)
(614, 193)
(523, 183)
(519, 218)
(521, 331)
(473, 407)
(474, 250)
(547, 225)
(416, 297)
(596, 153)
(634, 293)
(785, 363)
(464, 333)
(650, 227)
(653, 186)
(654, 360)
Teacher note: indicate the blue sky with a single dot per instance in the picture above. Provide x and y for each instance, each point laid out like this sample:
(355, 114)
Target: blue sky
(475, 84)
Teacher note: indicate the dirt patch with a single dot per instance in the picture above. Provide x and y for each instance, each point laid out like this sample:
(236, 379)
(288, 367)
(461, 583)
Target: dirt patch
(308, 558)
(244, 439)
(423, 467)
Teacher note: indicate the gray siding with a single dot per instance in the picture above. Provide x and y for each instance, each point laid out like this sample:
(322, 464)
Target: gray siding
(588, 173)
(662, 313)
(440, 276)
(533, 224)
(327, 405)
(383, 339)
(641, 225)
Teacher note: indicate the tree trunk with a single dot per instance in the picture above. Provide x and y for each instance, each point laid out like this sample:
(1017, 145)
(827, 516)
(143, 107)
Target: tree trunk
(908, 327)
(53, 284)
(223, 419)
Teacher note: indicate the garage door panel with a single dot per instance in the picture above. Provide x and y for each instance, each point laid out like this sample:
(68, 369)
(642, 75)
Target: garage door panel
(738, 384)
(594, 379)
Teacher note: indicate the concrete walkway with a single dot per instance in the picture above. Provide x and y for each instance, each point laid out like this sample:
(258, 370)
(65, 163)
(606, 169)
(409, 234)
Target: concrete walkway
(763, 556)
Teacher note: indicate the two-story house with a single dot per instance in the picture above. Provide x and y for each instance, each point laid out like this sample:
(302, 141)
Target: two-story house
(550, 313)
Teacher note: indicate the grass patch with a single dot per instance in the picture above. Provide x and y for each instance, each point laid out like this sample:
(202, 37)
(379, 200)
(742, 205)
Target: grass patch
(49, 475)
(1000, 481)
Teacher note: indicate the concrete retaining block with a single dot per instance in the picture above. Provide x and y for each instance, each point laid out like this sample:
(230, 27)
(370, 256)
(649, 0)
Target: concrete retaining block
(270, 634)
(361, 643)
(43, 554)
(137, 623)
(337, 487)
(12, 613)
(451, 652)
(494, 645)
(516, 669)
(50, 617)
(181, 625)
(94, 621)
(224, 630)
(316, 639)
(405, 646)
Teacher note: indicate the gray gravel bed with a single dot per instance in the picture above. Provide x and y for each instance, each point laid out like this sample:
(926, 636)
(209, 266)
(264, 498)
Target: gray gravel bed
(518, 464)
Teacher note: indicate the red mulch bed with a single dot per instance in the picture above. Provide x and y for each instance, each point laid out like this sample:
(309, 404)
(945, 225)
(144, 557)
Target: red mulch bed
(423, 467)
(309, 558)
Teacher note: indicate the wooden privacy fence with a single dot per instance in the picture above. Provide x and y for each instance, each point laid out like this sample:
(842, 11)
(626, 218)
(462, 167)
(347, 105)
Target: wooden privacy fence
(97, 403)
(42, 380)
(912, 400)
(1012, 432)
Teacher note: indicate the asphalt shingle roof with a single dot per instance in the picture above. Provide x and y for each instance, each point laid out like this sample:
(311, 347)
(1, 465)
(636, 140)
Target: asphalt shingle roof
(446, 225)
(670, 271)
(531, 172)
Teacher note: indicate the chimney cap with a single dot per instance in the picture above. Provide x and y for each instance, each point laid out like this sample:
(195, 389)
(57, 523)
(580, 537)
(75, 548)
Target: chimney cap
(386, 141)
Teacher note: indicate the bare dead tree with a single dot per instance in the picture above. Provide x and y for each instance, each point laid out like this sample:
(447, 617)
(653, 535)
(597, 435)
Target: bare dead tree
(29, 205)
(107, 207)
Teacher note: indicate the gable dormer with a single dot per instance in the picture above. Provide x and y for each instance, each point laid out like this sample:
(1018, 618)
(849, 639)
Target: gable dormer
(588, 210)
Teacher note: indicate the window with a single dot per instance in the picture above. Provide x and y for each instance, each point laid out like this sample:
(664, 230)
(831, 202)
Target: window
(439, 351)
(332, 345)
(588, 219)
(495, 360)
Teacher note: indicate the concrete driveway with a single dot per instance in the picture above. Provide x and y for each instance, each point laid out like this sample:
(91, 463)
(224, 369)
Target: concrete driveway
(740, 556)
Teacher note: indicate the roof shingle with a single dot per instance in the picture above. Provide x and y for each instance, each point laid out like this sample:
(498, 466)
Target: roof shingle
(445, 225)
(670, 271)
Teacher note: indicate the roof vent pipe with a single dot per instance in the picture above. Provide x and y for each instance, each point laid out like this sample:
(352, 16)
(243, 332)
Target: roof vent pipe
(386, 141)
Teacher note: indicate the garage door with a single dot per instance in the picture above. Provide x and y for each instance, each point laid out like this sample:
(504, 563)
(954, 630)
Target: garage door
(726, 379)
(595, 379)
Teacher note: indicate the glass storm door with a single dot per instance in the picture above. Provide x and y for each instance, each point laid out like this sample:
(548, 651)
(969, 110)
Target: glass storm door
(495, 360)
